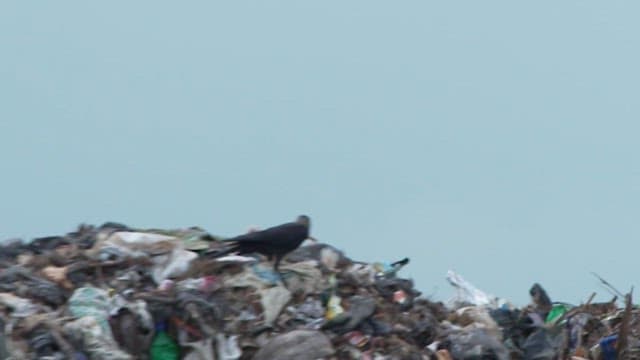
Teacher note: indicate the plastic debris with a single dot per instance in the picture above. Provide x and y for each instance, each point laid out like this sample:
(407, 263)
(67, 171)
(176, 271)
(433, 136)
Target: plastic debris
(91, 302)
(163, 346)
(296, 345)
(273, 301)
(556, 313)
(228, 348)
(114, 292)
(467, 294)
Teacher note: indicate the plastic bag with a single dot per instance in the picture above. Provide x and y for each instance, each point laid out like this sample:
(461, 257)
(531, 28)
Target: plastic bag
(273, 301)
(227, 347)
(469, 294)
(93, 302)
(296, 345)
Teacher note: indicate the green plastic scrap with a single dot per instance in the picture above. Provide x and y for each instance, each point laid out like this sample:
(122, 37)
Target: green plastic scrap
(163, 346)
(556, 313)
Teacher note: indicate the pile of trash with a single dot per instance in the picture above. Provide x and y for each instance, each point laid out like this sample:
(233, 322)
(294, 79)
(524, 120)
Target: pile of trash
(116, 293)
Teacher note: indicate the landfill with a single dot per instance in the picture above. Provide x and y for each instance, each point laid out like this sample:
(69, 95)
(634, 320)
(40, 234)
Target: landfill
(112, 292)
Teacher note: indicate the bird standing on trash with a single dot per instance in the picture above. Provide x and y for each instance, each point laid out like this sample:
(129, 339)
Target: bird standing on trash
(275, 241)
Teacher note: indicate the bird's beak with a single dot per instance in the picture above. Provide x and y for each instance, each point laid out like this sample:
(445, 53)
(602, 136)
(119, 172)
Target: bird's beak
(313, 239)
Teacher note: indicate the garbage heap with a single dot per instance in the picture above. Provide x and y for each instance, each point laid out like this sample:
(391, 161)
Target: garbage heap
(115, 293)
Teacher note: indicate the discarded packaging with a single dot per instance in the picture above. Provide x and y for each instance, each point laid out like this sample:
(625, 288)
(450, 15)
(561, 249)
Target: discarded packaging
(118, 293)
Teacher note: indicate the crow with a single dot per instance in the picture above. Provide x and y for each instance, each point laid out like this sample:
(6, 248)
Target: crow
(275, 241)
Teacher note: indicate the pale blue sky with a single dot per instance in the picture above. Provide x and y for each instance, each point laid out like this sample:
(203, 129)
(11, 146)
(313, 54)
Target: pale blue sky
(496, 138)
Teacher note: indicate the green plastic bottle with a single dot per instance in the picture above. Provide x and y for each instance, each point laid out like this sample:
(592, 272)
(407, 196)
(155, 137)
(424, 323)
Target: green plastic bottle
(163, 346)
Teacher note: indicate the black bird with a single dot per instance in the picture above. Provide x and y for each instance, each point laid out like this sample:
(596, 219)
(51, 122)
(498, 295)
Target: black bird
(275, 241)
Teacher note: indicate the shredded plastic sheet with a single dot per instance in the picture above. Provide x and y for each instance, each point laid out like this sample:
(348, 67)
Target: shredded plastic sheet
(467, 293)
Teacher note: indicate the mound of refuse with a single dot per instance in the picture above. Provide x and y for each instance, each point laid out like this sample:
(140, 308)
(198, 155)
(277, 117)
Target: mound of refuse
(113, 292)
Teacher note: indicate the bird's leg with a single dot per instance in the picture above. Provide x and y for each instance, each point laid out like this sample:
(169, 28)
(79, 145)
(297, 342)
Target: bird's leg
(277, 270)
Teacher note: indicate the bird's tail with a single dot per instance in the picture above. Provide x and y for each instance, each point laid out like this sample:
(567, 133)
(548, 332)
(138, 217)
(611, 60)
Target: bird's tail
(216, 253)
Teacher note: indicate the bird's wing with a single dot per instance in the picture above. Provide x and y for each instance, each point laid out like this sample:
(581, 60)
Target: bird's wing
(273, 235)
(248, 237)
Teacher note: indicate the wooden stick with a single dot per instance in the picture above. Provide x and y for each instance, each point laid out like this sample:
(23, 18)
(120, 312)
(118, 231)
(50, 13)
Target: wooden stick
(607, 284)
(625, 326)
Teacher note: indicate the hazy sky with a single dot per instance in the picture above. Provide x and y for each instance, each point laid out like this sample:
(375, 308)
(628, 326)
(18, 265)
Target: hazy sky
(495, 138)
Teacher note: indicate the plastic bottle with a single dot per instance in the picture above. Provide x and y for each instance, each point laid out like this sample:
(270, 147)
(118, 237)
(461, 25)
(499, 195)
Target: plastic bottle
(163, 346)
